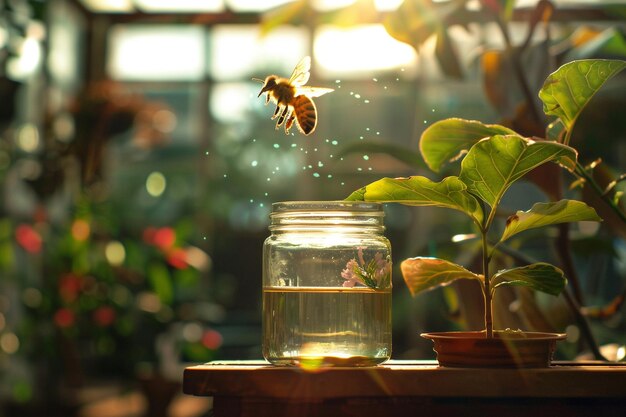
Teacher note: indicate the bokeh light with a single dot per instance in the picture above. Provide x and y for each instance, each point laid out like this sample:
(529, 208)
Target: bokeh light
(115, 253)
(9, 343)
(156, 184)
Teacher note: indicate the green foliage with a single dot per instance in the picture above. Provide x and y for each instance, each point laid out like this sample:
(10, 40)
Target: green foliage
(447, 140)
(546, 214)
(422, 274)
(539, 276)
(494, 164)
(566, 92)
(493, 158)
(451, 193)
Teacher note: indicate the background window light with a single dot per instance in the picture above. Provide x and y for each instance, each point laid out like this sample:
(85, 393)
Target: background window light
(181, 6)
(232, 102)
(109, 6)
(240, 51)
(156, 52)
(255, 5)
(353, 52)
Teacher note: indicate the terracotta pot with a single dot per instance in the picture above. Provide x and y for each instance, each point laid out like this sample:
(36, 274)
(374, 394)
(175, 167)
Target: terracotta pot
(504, 350)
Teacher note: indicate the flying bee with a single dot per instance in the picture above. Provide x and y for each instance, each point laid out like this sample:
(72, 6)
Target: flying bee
(293, 99)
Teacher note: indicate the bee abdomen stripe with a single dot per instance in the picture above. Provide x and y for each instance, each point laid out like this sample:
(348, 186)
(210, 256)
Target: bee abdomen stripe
(305, 113)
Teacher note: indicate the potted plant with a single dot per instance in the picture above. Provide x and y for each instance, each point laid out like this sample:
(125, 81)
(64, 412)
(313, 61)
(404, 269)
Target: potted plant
(493, 157)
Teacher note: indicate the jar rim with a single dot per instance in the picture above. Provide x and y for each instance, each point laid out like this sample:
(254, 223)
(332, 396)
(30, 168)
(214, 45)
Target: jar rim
(329, 205)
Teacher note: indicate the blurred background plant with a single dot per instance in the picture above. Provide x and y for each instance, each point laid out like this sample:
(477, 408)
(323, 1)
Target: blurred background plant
(138, 169)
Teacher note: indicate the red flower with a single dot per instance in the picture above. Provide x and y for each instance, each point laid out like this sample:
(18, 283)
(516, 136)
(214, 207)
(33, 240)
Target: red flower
(28, 238)
(104, 316)
(212, 339)
(164, 238)
(69, 287)
(148, 235)
(64, 318)
(177, 257)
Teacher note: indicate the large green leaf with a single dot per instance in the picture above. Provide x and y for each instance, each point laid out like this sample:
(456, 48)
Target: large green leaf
(493, 164)
(447, 140)
(545, 214)
(567, 91)
(422, 274)
(539, 276)
(421, 191)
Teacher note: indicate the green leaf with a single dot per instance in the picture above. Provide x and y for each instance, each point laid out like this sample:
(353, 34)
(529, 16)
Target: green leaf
(422, 274)
(545, 214)
(421, 191)
(292, 13)
(447, 140)
(409, 157)
(357, 195)
(161, 282)
(539, 276)
(447, 55)
(566, 92)
(414, 22)
(493, 164)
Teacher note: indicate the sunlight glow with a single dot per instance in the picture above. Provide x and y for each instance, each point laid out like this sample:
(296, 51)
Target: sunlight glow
(255, 5)
(24, 65)
(180, 5)
(327, 5)
(156, 52)
(230, 102)
(387, 5)
(236, 50)
(111, 6)
(365, 48)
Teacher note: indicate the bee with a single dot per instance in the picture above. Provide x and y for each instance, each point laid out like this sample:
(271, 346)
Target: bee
(293, 99)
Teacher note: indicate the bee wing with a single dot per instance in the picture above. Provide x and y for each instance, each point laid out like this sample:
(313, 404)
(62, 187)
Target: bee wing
(300, 74)
(312, 91)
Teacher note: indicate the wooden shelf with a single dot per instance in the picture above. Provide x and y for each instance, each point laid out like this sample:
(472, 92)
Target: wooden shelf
(256, 388)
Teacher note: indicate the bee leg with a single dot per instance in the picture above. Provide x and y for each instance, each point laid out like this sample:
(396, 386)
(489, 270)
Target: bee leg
(289, 122)
(276, 112)
(282, 117)
(267, 98)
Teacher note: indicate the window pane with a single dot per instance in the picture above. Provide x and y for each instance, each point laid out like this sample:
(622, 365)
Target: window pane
(156, 52)
(180, 5)
(255, 5)
(109, 6)
(360, 50)
(239, 51)
(232, 102)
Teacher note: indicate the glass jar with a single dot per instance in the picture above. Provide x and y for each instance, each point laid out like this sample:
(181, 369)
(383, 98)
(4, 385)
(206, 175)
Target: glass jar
(326, 285)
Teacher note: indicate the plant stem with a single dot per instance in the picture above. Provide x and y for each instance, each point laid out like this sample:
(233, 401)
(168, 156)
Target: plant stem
(563, 247)
(582, 172)
(486, 289)
(574, 307)
(583, 325)
(518, 70)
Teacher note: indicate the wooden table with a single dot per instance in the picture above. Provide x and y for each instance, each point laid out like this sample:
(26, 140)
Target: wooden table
(409, 388)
